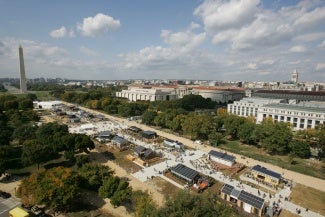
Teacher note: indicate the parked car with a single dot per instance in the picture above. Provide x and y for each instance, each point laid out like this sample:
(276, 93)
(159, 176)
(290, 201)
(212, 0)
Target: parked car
(5, 195)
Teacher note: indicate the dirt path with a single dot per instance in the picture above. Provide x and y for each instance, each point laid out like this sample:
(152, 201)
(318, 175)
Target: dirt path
(309, 181)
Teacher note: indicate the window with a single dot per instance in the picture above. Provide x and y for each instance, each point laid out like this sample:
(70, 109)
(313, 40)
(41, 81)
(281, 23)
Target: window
(288, 119)
(295, 120)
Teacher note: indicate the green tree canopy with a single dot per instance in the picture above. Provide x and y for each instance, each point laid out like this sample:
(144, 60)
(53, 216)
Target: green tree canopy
(56, 188)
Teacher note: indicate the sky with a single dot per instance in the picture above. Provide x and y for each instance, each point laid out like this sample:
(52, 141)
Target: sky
(223, 40)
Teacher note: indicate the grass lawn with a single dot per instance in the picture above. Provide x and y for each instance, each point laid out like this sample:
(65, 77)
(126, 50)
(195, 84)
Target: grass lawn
(43, 95)
(308, 197)
(305, 166)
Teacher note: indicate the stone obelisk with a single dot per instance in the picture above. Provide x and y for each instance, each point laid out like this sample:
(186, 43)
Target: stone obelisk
(23, 86)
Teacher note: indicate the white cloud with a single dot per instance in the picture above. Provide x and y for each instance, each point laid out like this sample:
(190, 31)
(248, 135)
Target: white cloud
(88, 51)
(221, 14)
(298, 49)
(320, 66)
(310, 37)
(252, 66)
(62, 33)
(98, 25)
(183, 41)
(245, 24)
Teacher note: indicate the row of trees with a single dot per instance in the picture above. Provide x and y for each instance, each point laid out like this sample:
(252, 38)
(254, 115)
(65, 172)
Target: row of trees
(61, 188)
(276, 138)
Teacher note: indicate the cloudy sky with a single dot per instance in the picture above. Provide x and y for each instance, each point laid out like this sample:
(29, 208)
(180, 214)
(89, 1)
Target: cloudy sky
(237, 40)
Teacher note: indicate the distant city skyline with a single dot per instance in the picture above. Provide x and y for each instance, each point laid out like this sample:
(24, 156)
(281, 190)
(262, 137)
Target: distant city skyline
(236, 40)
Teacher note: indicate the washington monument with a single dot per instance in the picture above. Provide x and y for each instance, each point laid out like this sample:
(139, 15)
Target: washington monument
(23, 87)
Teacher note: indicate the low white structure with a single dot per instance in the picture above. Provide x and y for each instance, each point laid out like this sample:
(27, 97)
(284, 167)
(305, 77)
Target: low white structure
(174, 144)
(47, 104)
(222, 158)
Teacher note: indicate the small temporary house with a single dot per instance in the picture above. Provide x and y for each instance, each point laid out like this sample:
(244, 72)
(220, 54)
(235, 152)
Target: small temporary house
(222, 158)
(120, 143)
(147, 134)
(248, 202)
(185, 173)
(174, 144)
(265, 175)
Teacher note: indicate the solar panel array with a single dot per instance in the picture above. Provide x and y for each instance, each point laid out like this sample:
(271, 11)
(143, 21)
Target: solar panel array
(227, 189)
(266, 171)
(184, 172)
(251, 199)
(243, 196)
(222, 155)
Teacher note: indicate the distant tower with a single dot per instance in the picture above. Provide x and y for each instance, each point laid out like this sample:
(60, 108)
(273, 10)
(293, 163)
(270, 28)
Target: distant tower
(23, 87)
(294, 76)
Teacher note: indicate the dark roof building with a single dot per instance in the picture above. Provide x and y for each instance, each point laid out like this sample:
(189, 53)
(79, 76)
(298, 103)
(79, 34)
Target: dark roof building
(134, 129)
(185, 173)
(266, 176)
(120, 142)
(249, 202)
(266, 171)
(148, 134)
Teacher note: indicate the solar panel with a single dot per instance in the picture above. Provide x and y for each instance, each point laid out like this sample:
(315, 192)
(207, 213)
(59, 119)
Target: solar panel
(184, 172)
(266, 171)
(251, 199)
(227, 189)
(222, 155)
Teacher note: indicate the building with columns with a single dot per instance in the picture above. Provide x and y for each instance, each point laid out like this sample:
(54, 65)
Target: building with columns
(303, 115)
(300, 116)
(161, 92)
(146, 94)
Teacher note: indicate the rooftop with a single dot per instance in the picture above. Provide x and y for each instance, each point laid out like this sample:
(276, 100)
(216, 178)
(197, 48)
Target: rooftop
(266, 171)
(221, 155)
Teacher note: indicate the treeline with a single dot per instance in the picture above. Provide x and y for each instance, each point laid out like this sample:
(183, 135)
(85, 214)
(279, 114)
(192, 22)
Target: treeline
(104, 99)
(61, 189)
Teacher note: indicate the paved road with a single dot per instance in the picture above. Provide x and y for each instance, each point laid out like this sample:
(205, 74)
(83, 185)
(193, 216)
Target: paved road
(6, 205)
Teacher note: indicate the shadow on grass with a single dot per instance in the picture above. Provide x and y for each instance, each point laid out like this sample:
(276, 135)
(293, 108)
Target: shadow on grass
(109, 155)
(59, 164)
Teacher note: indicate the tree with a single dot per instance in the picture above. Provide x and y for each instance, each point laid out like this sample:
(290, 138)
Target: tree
(83, 143)
(300, 149)
(109, 187)
(56, 188)
(274, 137)
(232, 124)
(142, 204)
(92, 175)
(186, 204)
(35, 152)
(122, 193)
(215, 138)
(24, 132)
(245, 132)
(148, 117)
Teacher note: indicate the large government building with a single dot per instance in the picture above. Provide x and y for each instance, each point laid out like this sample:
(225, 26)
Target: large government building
(301, 115)
(156, 93)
